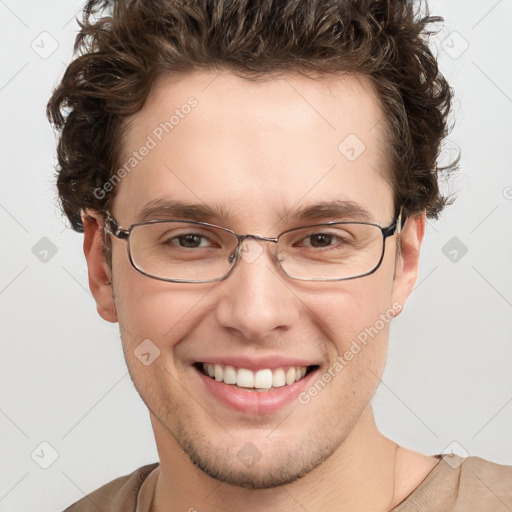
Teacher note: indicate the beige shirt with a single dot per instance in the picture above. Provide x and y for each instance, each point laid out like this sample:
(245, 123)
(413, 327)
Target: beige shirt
(455, 484)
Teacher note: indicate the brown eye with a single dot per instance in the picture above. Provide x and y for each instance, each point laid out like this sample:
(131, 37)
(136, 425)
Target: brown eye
(320, 240)
(190, 241)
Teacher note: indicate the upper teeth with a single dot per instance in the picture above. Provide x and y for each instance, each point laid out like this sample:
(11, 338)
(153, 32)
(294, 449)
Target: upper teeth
(261, 379)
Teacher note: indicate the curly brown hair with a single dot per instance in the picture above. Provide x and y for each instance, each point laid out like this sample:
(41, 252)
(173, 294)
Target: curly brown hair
(124, 45)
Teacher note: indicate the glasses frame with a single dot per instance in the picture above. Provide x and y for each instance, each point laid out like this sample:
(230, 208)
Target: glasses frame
(112, 227)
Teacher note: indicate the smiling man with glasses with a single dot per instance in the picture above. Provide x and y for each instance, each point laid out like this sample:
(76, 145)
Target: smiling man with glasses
(253, 181)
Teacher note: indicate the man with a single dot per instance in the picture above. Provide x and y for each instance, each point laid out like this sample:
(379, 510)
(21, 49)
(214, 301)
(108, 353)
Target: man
(252, 180)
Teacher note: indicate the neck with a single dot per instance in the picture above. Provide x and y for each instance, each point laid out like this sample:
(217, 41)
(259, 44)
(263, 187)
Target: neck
(361, 475)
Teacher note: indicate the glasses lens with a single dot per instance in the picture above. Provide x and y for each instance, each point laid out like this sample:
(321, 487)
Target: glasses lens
(182, 251)
(336, 251)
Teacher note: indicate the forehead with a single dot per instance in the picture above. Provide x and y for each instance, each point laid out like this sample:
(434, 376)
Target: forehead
(255, 148)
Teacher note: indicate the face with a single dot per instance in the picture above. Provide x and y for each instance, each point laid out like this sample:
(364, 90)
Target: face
(255, 152)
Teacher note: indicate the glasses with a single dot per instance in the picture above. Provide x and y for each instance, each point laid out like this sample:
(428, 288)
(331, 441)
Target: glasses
(183, 251)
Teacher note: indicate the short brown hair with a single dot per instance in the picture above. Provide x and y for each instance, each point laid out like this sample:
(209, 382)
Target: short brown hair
(123, 46)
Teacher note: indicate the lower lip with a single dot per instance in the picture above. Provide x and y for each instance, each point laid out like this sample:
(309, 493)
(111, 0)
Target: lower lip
(255, 402)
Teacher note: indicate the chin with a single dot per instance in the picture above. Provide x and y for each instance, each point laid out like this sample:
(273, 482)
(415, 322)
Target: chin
(262, 474)
(241, 463)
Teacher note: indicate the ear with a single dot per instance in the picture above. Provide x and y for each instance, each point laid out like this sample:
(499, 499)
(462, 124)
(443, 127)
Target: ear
(100, 279)
(406, 264)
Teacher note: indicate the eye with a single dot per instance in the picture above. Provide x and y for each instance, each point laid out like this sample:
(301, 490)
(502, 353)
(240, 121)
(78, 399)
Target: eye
(188, 241)
(320, 240)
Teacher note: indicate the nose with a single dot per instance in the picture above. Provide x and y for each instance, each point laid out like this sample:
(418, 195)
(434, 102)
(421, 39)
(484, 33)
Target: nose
(257, 299)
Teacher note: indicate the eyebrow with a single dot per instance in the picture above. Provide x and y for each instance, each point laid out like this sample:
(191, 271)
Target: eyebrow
(332, 210)
(167, 209)
(173, 209)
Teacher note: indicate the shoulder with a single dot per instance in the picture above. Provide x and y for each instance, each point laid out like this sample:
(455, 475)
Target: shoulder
(119, 494)
(456, 484)
(484, 485)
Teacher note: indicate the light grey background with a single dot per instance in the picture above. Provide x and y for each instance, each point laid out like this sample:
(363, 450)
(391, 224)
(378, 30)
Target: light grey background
(63, 381)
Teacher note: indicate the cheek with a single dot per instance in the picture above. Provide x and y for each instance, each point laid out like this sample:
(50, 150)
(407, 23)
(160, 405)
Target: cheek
(355, 317)
(153, 318)
(356, 323)
(346, 309)
(156, 310)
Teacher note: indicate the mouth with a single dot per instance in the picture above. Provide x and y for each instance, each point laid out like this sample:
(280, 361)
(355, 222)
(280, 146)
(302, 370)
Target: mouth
(262, 380)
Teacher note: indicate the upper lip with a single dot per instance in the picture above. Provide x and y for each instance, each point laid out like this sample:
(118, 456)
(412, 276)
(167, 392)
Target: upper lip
(252, 363)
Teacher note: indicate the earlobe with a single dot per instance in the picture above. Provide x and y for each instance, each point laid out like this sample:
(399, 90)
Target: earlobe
(407, 263)
(99, 272)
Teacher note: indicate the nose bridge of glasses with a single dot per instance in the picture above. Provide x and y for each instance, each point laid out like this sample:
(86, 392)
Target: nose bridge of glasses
(258, 237)
(249, 252)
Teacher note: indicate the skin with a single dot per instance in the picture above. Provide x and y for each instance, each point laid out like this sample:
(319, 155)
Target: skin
(258, 149)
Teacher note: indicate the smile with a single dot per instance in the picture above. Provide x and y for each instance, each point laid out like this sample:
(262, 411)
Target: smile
(261, 380)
